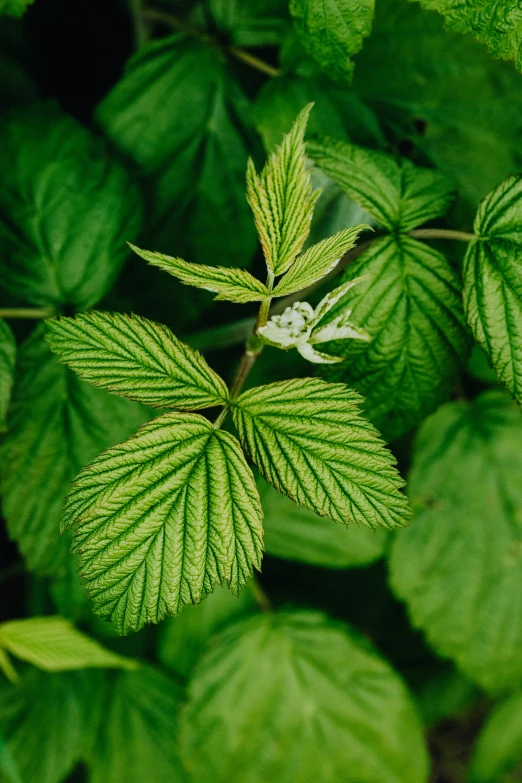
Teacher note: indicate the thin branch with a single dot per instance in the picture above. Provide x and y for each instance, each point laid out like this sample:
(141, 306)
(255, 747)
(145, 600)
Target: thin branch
(27, 312)
(141, 32)
(254, 62)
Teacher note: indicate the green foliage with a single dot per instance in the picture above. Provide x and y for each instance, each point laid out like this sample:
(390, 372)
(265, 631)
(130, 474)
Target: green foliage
(309, 440)
(14, 7)
(493, 282)
(458, 565)
(300, 694)
(7, 368)
(499, 745)
(251, 24)
(333, 30)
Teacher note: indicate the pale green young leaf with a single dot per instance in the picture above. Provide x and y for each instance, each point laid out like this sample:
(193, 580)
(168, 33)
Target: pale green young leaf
(136, 738)
(310, 441)
(411, 306)
(182, 117)
(58, 424)
(295, 533)
(184, 638)
(282, 198)
(15, 8)
(54, 645)
(498, 749)
(234, 285)
(458, 565)
(333, 30)
(495, 23)
(7, 368)
(294, 696)
(48, 721)
(394, 191)
(317, 261)
(66, 209)
(136, 358)
(493, 282)
(163, 518)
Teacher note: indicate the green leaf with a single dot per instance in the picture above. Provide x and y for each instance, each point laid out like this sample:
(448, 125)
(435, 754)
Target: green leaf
(48, 721)
(162, 519)
(7, 368)
(53, 644)
(179, 114)
(136, 740)
(58, 424)
(136, 358)
(262, 23)
(14, 7)
(297, 697)
(66, 209)
(7, 764)
(411, 306)
(309, 440)
(317, 261)
(184, 638)
(458, 565)
(498, 25)
(498, 749)
(394, 191)
(234, 285)
(333, 30)
(282, 199)
(493, 282)
(294, 533)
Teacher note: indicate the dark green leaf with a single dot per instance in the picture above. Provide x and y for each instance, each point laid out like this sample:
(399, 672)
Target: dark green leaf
(7, 368)
(262, 23)
(458, 565)
(296, 697)
(66, 210)
(14, 7)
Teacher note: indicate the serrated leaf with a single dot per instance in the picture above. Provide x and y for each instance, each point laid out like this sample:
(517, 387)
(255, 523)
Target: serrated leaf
(262, 23)
(495, 23)
(54, 645)
(294, 696)
(333, 30)
(163, 518)
(184, 638)
(136, 358)
(234, 285)
(136, 740)
(191, 148)
(310, 441)
(7, 368)
(66, 209)
(498, 749)
(294, 533)
(493, 282)
(317, 261)
(48, 721)
(394, 191)
(282, 199)
(458, 566)
(15, 8)
(411, 306)
(58, 424)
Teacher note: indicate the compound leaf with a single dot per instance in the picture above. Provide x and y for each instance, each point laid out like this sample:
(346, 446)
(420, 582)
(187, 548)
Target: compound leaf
(458, 565)
(394, 191)
(295, 533)
(163, 518)
(136, 358)
(282, 199)
(309, 440)
(234, 285)
(333, 30)
(294, 696)
(66, 209)
(411, 306)
(58, 424)
(7, 368)
(53, 644)
(493, 282)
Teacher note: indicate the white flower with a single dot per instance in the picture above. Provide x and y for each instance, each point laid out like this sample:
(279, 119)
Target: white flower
(298, 327)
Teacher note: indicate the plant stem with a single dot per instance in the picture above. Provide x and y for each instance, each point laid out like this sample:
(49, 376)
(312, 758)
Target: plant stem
(261, 598)
(442, 233)
(165, 18)
(139, 24)
(27, 312)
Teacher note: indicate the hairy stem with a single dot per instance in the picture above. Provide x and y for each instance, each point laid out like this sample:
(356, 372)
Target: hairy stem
(154, 15)
(27, 312)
